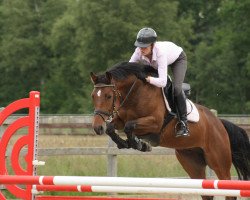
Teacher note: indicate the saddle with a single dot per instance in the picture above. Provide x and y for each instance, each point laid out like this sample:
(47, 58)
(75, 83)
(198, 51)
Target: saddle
(168, 91)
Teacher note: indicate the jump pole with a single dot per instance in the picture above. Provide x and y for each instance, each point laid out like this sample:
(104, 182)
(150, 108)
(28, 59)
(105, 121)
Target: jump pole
(125, 181)
(96, 198)
(143, 190)
(132, 185)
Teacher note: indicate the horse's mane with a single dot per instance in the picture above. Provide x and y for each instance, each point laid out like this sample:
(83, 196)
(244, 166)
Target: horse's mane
(124, 69)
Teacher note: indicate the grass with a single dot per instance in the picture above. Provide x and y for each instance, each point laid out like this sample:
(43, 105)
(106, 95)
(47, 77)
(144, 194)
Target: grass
(128, 166)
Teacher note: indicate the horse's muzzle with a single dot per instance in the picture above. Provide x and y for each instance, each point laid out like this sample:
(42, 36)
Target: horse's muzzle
(99, 130)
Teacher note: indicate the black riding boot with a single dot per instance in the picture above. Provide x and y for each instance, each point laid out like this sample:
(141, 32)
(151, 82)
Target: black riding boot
(181, 127)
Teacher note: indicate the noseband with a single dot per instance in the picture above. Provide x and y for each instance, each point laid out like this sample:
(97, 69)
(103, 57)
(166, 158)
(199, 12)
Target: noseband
(117, 93)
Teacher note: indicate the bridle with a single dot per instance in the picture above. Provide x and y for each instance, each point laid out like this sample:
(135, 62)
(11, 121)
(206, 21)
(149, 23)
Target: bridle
(117, 95)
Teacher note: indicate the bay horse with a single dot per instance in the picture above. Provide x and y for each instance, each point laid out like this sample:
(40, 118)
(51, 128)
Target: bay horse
(122, 101)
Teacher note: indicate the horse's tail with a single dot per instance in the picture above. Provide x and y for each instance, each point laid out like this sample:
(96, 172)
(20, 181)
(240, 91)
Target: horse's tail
(240, 147)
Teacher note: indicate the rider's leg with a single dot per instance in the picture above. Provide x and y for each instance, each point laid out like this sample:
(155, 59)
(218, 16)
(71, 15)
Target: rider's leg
(182, 115)
(179, 68)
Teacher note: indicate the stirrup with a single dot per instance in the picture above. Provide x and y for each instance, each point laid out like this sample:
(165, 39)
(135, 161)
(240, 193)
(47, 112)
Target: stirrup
(181, 129)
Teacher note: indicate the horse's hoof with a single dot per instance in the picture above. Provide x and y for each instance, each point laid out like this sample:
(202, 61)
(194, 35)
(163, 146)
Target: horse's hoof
(135, 143)
(123, 145)
(120, 146)
(146, 147)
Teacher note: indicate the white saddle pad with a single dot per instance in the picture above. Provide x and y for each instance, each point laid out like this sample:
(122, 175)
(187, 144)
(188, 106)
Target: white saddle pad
(192, 111)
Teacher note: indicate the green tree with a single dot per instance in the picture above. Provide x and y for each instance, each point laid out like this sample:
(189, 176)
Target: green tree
(25, 56)
(55, 44)
(222, 80)
(109, 29)
(52, 45)
(20, 50)
(65, 85)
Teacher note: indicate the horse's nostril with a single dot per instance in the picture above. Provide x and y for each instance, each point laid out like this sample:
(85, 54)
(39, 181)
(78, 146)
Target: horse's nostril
(99, 130)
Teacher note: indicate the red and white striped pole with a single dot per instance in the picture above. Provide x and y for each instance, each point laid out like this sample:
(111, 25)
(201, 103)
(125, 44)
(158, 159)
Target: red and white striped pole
(140, 190)
(123, 184)
(126, 181)
(97, 198)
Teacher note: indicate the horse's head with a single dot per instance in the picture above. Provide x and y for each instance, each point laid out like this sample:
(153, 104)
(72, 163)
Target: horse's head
(103, 98)
(112, 91)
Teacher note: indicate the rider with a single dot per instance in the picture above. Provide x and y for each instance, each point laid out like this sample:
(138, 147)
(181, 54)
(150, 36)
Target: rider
(160, 55)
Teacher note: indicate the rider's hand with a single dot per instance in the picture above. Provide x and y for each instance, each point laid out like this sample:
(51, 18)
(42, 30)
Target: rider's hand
(142, 77)
(148, 79)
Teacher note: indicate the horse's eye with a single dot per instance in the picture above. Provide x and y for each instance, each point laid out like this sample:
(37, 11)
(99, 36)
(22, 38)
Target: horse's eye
(109, 96)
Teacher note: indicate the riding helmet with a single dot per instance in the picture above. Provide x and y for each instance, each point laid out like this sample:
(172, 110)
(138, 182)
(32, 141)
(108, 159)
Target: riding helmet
(145, 37)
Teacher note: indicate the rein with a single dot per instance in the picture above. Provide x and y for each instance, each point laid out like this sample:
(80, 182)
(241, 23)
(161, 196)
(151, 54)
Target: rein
(115, 111)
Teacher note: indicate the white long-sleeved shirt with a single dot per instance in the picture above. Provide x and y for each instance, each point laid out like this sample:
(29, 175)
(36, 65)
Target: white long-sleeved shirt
(164, 53)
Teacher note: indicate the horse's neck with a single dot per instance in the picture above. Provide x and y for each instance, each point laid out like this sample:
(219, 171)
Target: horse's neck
(124, 86)
(127, 88)
(138, 93)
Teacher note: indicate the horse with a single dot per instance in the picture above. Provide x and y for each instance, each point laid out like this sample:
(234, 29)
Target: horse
(124, 101)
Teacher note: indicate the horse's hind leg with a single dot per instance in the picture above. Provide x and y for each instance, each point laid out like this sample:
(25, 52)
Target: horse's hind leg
(220, 161)
(218, 157)
(193, 162)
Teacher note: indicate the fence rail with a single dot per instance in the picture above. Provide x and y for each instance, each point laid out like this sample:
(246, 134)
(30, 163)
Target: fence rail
(68, 151)
(81, 124)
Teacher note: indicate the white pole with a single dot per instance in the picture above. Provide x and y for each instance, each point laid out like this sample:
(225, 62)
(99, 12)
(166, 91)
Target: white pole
(183, 191)
(126, 181)
(146, 190)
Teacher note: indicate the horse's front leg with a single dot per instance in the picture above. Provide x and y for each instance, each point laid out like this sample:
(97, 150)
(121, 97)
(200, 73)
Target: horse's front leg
(121, 143)
(142, 125)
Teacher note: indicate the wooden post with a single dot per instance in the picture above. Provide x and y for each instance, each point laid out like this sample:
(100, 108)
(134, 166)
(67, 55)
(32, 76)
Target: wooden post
(1, 133)
(112, 161)
(1, 127)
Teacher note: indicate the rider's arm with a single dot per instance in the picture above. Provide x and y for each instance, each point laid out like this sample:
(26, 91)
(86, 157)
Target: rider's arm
(161, 81)
(135, 57)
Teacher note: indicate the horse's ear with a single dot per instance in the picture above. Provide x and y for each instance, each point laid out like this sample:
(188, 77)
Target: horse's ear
(109, 76)
(93, 77)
